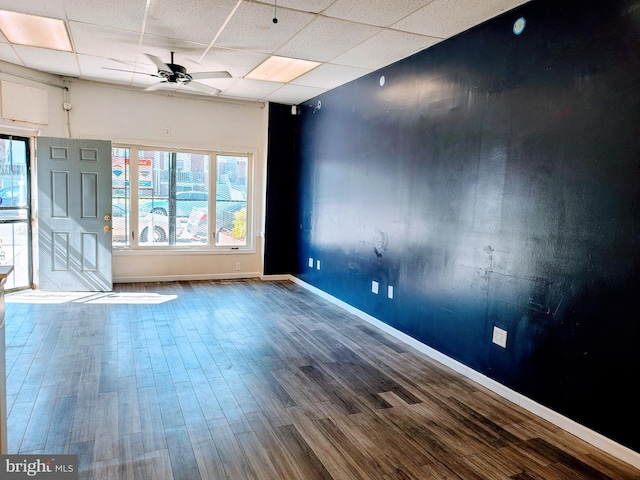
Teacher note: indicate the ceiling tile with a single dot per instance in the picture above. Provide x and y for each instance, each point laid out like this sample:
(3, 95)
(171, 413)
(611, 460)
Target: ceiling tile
(374, 12)
(252, 28)
(104, 41)
(313, 6)
(45, 8)
(236, 62)
(190, 20)
(384, 48)
(329, 76)
(251, 89)
(52, 61)
(162, 47)
(294, 94)
(445, 18)
(122, 14)
(8, 54)
(326, 38)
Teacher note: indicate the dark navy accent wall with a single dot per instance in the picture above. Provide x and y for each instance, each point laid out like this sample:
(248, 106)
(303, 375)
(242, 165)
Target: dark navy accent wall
(281, 205)
(494, 180)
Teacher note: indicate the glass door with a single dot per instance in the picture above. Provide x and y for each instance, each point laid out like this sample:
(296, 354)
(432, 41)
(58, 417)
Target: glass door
(15, 211)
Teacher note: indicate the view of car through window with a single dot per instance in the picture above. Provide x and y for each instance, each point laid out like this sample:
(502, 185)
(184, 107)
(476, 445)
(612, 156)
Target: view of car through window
(184, 219)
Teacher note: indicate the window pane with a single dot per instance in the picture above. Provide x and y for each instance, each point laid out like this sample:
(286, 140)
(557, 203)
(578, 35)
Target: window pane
(231, 200)
(153, 197)
(192, 197)
(14, 250)
(120, 163)
(13, 173)
(171, 186)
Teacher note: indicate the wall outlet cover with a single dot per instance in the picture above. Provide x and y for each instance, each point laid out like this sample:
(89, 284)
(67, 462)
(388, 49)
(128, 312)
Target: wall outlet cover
(499, 337)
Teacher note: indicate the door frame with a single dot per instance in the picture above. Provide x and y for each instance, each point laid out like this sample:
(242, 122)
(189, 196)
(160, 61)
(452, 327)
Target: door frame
(29, 222)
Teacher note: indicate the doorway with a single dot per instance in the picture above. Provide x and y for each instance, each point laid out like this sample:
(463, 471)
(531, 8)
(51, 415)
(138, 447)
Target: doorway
(15, 210)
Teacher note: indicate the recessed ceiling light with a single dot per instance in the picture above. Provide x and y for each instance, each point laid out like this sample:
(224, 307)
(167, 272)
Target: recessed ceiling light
(34, 31)
(281, 69)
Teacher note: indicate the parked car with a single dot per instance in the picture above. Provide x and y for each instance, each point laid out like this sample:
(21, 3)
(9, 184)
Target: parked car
(152, 228)
(225, 215)
(197, 222)
(185, 201)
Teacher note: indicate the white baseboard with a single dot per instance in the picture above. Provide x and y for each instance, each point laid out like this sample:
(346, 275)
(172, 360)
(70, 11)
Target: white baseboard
(594, 438)
(187, 278)
(274, 278)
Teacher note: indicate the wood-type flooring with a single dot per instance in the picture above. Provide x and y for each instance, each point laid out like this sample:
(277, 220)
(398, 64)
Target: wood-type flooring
(257, 380)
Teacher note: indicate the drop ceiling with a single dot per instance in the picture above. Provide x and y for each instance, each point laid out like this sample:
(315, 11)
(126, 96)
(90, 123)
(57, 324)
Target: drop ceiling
(349, 38)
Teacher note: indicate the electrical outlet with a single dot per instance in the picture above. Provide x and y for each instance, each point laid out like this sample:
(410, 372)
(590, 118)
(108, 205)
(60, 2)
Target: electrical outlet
(374, 287)
(238, 266)
(499, 337)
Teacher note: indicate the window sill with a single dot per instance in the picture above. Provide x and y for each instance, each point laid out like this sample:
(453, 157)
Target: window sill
(125, 251)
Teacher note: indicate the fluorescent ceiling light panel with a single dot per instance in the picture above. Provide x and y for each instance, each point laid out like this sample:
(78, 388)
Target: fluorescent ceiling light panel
(281, 69)
(34, 31)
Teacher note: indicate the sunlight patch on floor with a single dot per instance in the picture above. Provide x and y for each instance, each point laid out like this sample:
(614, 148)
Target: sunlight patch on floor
(51, 298)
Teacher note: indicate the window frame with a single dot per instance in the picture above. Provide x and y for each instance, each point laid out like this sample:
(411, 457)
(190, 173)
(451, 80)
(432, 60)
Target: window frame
(132, 222)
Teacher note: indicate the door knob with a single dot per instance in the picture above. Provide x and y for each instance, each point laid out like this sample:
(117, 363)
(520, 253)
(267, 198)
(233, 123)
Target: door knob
(107, 228)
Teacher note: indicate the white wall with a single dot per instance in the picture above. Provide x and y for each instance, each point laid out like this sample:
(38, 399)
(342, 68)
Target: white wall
(52, 85)
(127, 115)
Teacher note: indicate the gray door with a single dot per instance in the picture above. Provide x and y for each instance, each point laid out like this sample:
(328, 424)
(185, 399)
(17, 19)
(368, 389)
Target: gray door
(74, 214)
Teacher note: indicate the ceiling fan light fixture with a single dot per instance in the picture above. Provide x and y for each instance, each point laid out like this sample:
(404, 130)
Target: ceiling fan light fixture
(35, 31)
(172, 73)
(281, 69)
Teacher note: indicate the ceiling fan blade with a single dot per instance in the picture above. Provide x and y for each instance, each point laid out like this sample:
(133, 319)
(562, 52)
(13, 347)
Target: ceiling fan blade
(203, 75)
(130, 71)
(203, 88)
(159, 63)
(155, 86)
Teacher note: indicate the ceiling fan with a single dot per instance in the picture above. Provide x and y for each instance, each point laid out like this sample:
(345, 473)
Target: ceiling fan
(177, 74)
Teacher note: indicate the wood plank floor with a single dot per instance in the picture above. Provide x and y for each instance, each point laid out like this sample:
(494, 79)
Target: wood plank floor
(257, 380)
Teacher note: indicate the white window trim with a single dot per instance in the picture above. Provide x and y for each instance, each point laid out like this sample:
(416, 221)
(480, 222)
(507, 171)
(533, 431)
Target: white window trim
(135, 248)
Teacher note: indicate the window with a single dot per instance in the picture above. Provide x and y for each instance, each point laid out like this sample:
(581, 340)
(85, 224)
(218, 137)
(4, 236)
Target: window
(171, 200)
